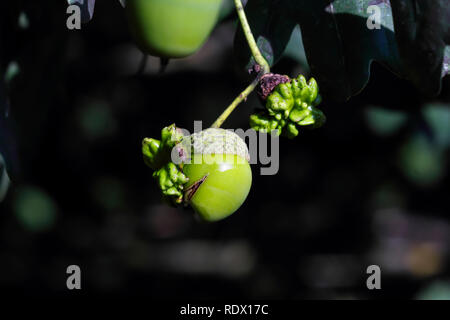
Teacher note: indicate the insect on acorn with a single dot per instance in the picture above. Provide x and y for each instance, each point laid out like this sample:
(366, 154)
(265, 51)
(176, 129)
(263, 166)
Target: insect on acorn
(210, 171)
(171, 28)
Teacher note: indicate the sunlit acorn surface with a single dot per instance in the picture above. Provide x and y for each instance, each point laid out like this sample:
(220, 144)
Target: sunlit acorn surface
(219, 175)
(225, 188)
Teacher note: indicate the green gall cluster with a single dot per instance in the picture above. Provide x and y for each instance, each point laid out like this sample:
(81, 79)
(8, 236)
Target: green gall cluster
(288, 106)
(171, 181)
(157, 155)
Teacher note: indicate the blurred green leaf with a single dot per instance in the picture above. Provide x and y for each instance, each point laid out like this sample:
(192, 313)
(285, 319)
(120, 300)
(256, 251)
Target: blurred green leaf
(96, 120)
(34, 209)
(388, 195)
(438, 290)
(421, 161)
(438, 118)
(23, 21)
(12, 71)
(295, 49)
(109, 193)
(385, 122)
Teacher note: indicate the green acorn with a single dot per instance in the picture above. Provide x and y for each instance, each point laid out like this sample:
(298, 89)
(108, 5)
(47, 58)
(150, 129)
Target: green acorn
(219, 174)
(208, 170)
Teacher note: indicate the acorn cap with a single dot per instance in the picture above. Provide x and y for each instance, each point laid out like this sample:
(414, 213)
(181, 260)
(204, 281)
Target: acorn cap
(218, 141)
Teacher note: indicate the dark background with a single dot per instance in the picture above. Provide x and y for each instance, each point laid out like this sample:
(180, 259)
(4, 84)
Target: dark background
(370, 187)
